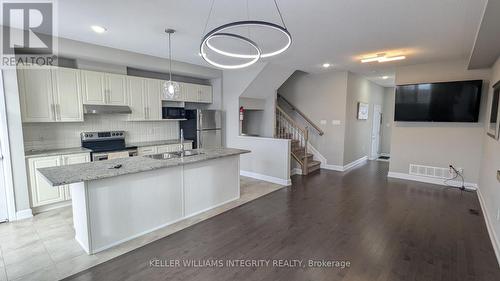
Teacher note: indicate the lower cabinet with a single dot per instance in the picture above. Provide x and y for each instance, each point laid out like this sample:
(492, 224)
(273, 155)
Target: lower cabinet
(42, 192)
(149, 150)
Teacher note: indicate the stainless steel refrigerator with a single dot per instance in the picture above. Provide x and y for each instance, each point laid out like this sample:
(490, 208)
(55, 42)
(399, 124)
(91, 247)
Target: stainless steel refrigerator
(204, 127)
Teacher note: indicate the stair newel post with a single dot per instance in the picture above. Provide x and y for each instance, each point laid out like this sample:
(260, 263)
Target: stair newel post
(306, 138)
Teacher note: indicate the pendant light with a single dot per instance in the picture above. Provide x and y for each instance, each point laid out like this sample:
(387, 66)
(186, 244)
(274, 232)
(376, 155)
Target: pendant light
(170, 88)
(224, 31)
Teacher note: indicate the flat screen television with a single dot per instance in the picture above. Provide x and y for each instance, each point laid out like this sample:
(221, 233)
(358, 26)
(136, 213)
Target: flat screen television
(439, 102)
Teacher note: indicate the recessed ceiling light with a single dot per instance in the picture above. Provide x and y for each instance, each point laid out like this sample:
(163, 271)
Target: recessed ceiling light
(98, 29)
(385, 77)
(326, 65)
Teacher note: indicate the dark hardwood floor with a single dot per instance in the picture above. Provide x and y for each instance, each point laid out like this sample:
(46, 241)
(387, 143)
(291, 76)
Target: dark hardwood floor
(387, 229)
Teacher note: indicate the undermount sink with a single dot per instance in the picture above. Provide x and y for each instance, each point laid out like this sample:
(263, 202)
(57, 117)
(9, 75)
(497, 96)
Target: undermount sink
(171, 155)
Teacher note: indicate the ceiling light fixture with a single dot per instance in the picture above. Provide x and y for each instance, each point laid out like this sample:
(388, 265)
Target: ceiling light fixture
(170, 88)
(382, 58)
(98, 29)
(219, 33)
(385, 77)
(326, 65)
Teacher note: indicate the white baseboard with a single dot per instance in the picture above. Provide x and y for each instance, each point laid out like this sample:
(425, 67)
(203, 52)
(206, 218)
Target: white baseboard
(438, 181)
(493, 237)
(385, 154)
(266, 178)
(296, 171)
(355, 163)
(332, 167)
(24, 214)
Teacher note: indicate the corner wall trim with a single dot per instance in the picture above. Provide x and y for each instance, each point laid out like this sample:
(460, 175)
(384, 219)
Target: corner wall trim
(438, 181)
(493, 237)
(266, 178)
(24, 214)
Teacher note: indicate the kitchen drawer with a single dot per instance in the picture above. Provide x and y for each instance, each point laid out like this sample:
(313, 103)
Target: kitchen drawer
(148, 150)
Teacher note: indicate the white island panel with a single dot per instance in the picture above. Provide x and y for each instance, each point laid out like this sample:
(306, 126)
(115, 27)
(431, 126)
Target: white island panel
(209, 186)
(129, 206)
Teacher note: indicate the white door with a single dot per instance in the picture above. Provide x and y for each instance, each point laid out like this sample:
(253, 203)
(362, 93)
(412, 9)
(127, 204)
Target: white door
(67, 94)
(93, 87)
(116, 89)
(35, 89)
(3, 195)
(377, 118)
(136, 98)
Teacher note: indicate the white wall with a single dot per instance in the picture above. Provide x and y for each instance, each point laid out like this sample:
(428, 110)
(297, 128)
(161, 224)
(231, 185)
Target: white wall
(387, 120)
(489, 186)
(257, 81)
(357, 142)
(321, 97)
(439, 144)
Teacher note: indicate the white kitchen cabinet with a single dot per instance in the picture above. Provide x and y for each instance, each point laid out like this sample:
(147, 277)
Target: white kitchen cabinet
(147, 150)
(67, 95)
(153, 99)
(93, 87)
(104, 88)
(35, 95)
(116, 89)
(204, 93)
(42, 192)
(190, 92)
(137, 99)
(71, 159)
(50, 95)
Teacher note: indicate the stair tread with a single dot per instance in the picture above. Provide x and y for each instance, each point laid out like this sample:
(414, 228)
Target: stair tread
(313, 163)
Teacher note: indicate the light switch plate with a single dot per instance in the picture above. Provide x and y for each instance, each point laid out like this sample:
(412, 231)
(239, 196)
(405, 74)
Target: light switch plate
(335, 122)
(322, 122)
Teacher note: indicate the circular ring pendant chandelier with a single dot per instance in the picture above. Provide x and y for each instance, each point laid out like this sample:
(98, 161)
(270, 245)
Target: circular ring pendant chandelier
(223, 32)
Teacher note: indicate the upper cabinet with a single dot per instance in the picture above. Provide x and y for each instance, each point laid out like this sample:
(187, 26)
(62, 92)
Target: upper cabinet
(196, 93)
(104, 88)
(50, 95)
(144, 98)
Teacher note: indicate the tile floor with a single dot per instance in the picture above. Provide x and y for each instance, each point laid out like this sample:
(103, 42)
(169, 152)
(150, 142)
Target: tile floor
(43, 247)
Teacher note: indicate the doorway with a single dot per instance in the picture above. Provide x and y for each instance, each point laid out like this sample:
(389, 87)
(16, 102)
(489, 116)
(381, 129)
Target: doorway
(375, 135)
(7, 205)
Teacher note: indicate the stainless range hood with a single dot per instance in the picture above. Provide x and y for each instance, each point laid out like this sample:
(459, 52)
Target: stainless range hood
(106, 109)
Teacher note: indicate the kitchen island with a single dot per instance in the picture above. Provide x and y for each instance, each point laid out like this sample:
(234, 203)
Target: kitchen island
(117, 200)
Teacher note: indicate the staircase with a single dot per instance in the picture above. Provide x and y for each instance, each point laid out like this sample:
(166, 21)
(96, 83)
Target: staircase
(287, 128)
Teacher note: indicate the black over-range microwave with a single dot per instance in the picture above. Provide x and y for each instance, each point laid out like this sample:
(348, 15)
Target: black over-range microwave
(173, 113)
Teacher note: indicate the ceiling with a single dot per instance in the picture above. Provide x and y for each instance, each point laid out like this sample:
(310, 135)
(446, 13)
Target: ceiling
(334, 31)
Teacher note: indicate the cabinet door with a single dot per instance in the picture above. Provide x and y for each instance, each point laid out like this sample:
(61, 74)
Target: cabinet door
(70, 160)
(153, 93)
(35, 95)
(116, 89)
(205, 94)
(42, 192)
(93, 86)
(67, 95)
(163, 149)
(136, 98)
(188, 145)
(191, 92)
(148, 150)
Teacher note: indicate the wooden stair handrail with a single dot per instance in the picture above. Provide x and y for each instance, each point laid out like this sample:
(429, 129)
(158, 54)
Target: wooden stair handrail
(294, 108)
(289, 119)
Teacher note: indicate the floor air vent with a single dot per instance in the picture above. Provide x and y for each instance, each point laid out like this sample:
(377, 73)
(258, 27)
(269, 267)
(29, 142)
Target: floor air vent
(429, 171)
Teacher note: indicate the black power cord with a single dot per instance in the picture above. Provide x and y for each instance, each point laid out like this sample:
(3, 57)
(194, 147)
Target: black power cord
(457, 174)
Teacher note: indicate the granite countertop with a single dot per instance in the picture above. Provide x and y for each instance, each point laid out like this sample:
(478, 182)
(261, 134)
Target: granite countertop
(154, 143)
(54, 152)
(104, 169)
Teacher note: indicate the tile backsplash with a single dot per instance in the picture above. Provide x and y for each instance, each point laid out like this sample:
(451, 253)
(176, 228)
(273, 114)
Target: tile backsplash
(65, 135)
